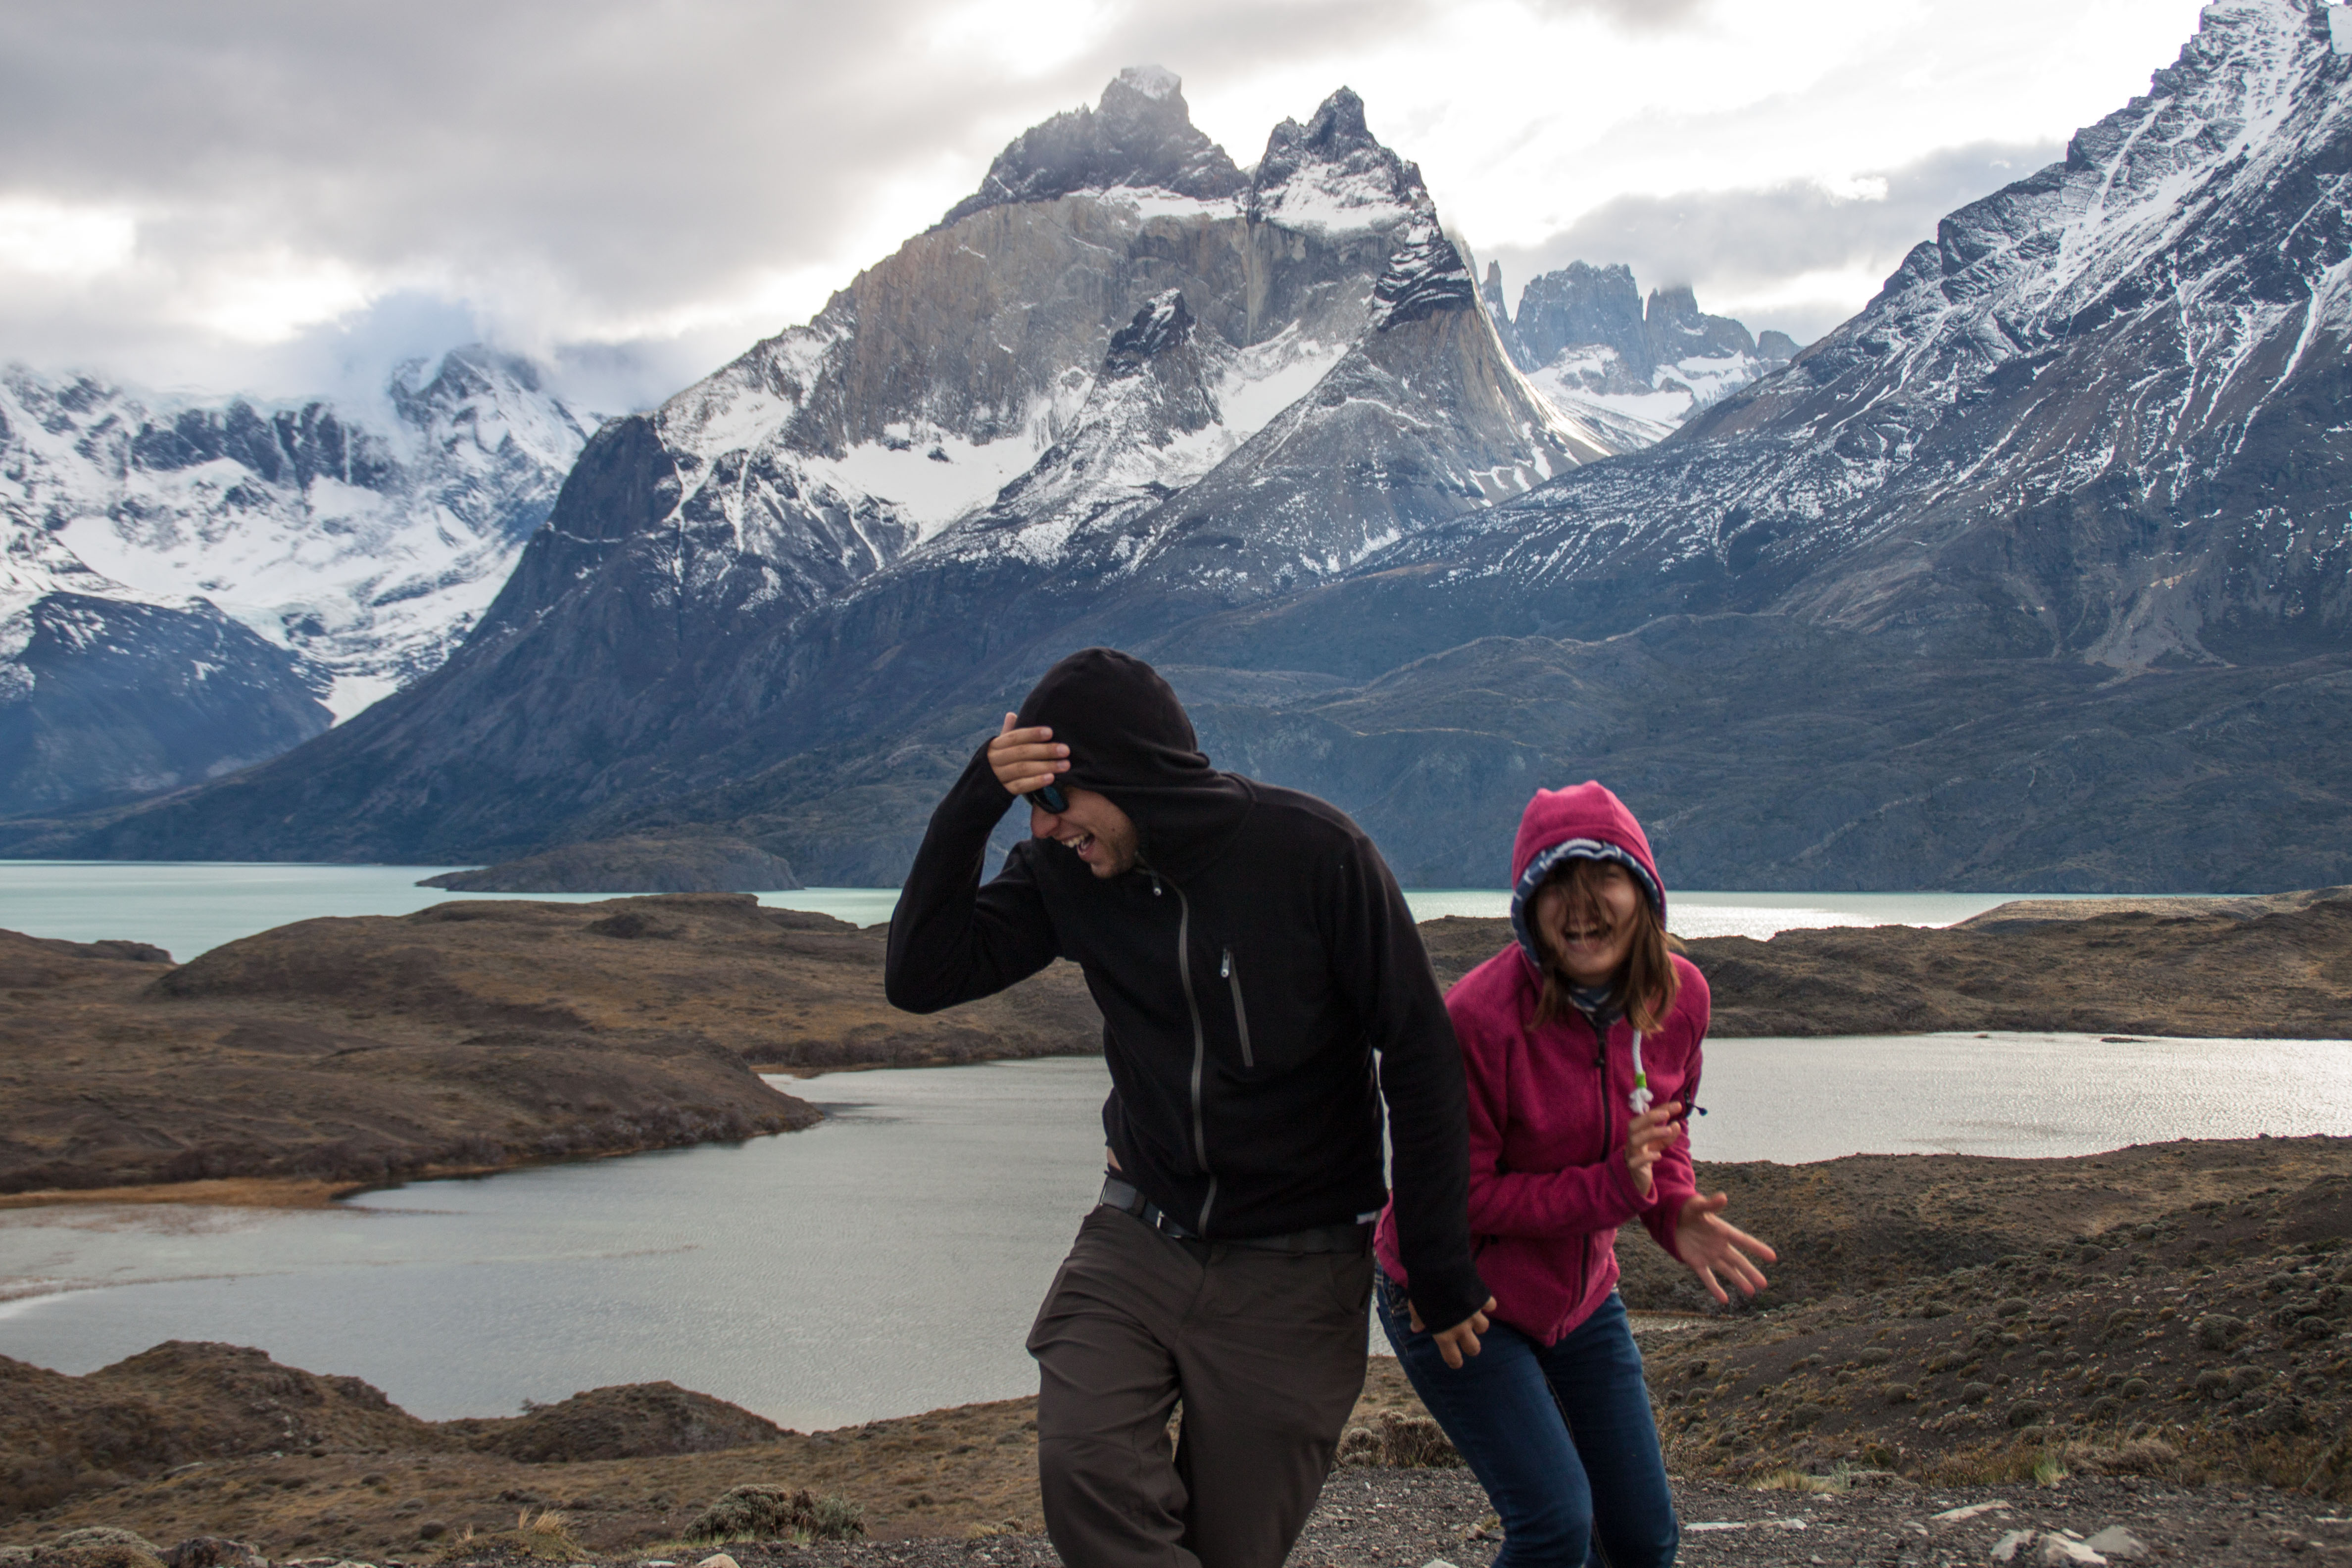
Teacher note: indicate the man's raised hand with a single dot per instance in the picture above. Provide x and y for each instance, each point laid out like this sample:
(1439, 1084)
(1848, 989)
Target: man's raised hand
(1709, 1247)
(1025, 760)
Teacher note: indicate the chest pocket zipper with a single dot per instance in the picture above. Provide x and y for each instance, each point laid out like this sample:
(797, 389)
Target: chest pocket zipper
(1231, 975)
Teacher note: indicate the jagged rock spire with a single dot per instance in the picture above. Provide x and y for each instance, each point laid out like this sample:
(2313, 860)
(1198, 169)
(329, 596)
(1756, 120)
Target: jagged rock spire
(1163, 324)
(1140, 135)
(1425, 276)
(1333, 172)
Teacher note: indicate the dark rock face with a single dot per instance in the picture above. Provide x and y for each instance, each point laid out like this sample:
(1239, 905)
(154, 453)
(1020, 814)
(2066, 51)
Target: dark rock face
(109, 700)
(1140, 135)
(1578, 304)
(1333, 163)
(694, 865)
(1425, 276)
(1163, 324)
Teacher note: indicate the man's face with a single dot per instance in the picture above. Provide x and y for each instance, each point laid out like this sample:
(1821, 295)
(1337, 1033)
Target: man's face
(1097, 831)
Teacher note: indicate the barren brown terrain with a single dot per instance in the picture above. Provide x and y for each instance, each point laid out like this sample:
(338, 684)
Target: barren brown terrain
(2172, 1318)
(2276, 968)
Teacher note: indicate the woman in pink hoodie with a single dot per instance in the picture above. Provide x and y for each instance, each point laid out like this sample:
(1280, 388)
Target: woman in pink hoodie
(1580, 1043)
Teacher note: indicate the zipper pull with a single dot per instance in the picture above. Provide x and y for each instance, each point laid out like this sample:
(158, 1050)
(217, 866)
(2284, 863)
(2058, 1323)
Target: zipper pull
(1225, 969)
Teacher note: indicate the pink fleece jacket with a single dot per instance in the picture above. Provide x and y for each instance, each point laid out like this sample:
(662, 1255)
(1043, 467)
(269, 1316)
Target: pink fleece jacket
(1549, 1107)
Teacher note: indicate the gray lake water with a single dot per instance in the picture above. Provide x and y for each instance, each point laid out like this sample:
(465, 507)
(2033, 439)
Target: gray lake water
(186, 908)
(888, 1261)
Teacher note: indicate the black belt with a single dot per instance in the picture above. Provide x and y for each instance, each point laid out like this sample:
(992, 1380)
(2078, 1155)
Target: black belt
(1123, 1196)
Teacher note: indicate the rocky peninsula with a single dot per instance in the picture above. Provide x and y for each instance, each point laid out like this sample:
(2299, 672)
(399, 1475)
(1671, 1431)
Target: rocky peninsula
(465, 1036)
(698, 864)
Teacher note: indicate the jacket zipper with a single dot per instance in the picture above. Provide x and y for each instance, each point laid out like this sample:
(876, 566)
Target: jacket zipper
(1231, 978)
(1608, 1135)
(1200, 1052)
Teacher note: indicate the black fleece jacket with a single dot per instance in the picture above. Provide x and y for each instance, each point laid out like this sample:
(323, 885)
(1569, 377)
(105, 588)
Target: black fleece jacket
(1247, 971)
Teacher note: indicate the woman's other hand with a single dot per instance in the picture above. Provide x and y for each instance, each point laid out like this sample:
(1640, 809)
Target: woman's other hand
(1715, 1251)
(1652, 1134)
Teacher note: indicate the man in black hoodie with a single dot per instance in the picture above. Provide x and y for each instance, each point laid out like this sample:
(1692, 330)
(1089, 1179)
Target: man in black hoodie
(1250, 953)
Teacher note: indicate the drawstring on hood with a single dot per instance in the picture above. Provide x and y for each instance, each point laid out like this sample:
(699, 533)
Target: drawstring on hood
(1131, 743)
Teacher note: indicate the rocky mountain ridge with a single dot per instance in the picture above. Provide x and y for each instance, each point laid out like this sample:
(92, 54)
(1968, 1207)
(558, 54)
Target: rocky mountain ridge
(187, 587)
(1585, 336)
(1011, 410)
(2025, 579)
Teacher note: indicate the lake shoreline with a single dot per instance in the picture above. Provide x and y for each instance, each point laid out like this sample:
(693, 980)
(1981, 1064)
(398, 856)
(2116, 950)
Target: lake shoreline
(2172, 1318)
(493, 1034)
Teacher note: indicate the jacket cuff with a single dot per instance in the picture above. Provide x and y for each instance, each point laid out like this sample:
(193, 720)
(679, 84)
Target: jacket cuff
(1443, 1303)
(1636, 1206)
(1665, 1216)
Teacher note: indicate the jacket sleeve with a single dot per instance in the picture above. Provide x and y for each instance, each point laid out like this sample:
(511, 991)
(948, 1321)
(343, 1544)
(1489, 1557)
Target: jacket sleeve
(951, 938)
(1676, 1182)
(1543, 1204)
(1379, 956)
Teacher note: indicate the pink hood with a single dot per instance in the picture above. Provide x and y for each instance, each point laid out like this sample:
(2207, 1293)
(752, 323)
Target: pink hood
(1586, 821)
(1550, 1106)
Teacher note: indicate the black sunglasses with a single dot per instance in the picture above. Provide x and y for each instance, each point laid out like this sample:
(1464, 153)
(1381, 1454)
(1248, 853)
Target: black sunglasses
(1051, 797)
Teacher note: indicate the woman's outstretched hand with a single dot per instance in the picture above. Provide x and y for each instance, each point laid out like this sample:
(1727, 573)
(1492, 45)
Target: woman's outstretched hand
(1652, 1134)
(1710, 1248)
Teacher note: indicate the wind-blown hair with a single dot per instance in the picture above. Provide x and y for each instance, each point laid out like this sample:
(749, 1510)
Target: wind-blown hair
(1644, 985)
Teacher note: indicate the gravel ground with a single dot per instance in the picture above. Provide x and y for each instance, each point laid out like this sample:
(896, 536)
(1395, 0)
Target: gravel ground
(1410, 1519)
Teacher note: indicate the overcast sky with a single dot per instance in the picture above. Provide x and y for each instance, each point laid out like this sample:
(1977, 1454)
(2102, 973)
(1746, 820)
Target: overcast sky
(282, 197)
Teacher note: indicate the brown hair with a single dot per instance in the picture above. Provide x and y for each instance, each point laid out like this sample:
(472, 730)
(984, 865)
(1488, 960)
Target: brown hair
(1644, 987)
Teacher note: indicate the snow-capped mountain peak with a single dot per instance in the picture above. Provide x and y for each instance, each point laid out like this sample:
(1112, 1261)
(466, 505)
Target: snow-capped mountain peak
(1333, 176)
(366, 550)
(1139, 136)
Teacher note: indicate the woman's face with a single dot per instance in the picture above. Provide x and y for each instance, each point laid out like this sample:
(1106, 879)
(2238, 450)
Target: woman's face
(1591, 940)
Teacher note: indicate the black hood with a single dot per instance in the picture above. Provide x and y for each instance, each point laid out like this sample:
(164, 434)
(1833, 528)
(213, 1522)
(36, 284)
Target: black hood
(1131, 740)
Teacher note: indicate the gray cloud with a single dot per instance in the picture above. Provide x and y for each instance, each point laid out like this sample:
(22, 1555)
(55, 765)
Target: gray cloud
(590, 172)
(1633, 16)
(1730, 243)
(549, 168)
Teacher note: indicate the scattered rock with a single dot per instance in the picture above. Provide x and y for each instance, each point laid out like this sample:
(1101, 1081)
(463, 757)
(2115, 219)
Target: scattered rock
(2116, 1542)
(214, 1551)
(1415, 1442)
(104, 1535)
(2060, 1549)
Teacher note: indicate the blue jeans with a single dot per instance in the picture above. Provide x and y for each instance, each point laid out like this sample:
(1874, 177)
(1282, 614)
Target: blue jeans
(1560, 1435)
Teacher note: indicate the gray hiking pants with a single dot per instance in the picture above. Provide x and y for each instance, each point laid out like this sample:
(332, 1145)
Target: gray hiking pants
(1266, 1352)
